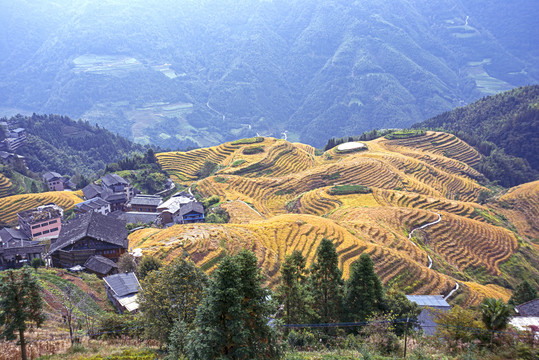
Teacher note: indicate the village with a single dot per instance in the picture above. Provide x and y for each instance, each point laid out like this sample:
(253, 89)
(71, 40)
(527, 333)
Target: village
(95, 237)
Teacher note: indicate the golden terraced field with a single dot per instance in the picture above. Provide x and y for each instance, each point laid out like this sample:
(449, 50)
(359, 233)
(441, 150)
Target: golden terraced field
(280, 199)
(11, 205)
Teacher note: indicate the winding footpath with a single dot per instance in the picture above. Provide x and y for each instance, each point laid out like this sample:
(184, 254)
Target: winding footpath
(422, 227)
(430, 259)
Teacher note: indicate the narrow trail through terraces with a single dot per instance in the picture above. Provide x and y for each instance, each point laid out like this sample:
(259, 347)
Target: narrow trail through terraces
(422, 227)
(428, 256)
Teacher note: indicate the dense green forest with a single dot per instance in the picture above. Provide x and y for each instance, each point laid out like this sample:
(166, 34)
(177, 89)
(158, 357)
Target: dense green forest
(202, 73)
(57, 143)
(504, 128)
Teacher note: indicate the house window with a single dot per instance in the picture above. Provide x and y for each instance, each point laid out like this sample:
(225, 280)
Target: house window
(44, 224)
(35, 226)
(54, 229)
(53, 222)
(46, 231)
(37, 234)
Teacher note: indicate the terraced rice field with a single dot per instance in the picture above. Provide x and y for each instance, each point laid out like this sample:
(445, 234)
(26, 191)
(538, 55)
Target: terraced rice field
(467, 243)
(278, 200)
(521, 206)
(11, 205)
(438, 143)
(5, 185)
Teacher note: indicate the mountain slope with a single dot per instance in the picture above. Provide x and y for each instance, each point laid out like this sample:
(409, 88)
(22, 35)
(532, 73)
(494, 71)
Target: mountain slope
(181, 74)
(57, 143)
(283, 197)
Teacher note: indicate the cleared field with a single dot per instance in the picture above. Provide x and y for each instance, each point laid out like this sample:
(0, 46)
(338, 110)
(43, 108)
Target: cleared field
(11, 205)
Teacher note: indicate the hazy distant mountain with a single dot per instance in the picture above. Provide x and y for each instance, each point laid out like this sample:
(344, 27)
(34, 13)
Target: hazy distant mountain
(177, 73)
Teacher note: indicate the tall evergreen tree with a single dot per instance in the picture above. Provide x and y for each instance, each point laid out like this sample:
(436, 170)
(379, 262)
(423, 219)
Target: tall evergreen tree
(292, 292)
(20, 303)
(363, 292)
(232, 321)
(326, 282)
(169, 295)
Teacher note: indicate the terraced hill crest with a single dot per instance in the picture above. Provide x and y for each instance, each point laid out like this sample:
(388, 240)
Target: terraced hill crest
(411, 203)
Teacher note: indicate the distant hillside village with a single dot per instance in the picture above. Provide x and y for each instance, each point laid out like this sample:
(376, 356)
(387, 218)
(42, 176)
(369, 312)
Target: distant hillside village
(96, 236)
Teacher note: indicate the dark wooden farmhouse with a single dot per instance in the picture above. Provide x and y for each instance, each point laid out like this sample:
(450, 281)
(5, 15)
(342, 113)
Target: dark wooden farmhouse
(91, 234)
(16, 249)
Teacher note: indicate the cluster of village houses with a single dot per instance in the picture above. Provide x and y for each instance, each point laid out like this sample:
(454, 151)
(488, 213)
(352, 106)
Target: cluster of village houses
(96, 237)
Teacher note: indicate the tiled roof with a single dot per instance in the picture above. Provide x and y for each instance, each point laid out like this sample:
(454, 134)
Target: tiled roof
(9, 234)
(138, 217)
(100, 264)
(91, 191)
(428, 300)
(112, 179)
(530, 308)
(147, 200)
(92, 204)
(113, 197)
(100, 227)
(123, 284)
(191, 207)
(49, 175)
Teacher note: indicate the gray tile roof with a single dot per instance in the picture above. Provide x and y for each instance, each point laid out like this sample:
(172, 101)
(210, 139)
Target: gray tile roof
(428, 300)
(530, 308)
(100, 264)
(113, 197)
(91, 191)
(92, 204)
(147, 200)
(123, 284)
(9, 234)
(113, 179)
(138, 217)
(100, 227)
(49, 175)
(191, 207)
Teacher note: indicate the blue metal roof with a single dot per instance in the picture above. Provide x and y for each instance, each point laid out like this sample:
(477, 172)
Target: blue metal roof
(428, 300)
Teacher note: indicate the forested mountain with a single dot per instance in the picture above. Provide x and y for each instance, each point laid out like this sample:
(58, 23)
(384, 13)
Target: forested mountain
(504, 128)
(184, 73)
(57, 143)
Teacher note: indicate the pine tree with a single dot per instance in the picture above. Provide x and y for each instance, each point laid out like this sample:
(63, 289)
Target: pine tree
(326, 282)
(232, 320)
(363, 293)
(292, 292)
(20, 303)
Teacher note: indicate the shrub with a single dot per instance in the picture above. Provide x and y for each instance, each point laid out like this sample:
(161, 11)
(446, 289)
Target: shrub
(405, 134)
(239, 162)
(253, 150)
(252, 140)
(349, 189)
